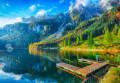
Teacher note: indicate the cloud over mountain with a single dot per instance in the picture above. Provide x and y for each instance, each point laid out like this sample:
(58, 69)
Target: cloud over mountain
(108, 4)
(4, 21)
(42, 12)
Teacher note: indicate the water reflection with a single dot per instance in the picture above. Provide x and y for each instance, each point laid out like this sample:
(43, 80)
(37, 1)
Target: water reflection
(34, 66)
(20, 62)
(103, 56)
(21, 67)
(71, 57)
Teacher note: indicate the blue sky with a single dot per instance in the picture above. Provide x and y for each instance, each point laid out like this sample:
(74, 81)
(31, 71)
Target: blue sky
(12, 11)
(24, 8)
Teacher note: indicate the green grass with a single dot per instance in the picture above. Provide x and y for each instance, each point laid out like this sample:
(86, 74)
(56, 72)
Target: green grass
(113, 76)
(99, 43)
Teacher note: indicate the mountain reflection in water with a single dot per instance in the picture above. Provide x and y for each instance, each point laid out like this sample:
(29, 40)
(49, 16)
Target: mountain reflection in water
(39, 66)
(23, 67)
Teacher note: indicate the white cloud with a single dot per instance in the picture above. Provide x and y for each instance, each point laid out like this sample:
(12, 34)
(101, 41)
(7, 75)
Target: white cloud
(106, 4)
(83, 2)
(5, 21)
(106, 1)
(71, 6)
(42, 12)
(4, 75)
(7, 5)
(61, 1)
(32, 7)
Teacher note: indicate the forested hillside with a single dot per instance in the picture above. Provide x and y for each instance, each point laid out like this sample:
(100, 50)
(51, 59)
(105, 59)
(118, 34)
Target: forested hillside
(89, 32)
(79, 26)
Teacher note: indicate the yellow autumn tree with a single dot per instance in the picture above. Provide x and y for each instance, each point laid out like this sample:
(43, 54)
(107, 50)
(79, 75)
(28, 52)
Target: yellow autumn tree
(119, 33)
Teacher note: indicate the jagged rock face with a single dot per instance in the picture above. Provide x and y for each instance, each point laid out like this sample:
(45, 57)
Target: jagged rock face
(34, 19)
(85, 12)
(77, 10)
(38, 28)
(30, 19)
(59, 17)
(94, 10)
(45, 16)
(88, 11)
(91, 10)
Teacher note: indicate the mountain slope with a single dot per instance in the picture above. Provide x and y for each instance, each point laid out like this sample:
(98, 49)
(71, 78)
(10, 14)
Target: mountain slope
(96, 26)
(51, 28)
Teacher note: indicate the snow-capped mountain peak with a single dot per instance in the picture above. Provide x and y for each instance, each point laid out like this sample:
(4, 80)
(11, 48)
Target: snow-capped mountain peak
(108, 4)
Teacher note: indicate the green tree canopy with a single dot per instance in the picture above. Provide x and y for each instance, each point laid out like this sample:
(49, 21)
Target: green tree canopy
(77, 40)
(107, 37)
(119, 33)
(90, 40)
(81, 40)
(116, 29)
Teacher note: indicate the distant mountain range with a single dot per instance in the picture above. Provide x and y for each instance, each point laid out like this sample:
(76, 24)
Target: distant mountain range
(34, 19)
(33, 29)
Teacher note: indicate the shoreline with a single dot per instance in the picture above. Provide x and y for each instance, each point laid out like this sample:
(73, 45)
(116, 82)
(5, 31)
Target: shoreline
(81, 49)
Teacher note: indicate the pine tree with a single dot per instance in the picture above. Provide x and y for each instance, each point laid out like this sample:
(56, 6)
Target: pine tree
(108, 37)
(69, 41)
(81, 40)
(90, 40)
(116, 29)
(77, 40)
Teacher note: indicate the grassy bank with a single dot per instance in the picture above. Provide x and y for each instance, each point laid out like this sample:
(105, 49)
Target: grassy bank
(110, 50)
(99, 45)
(113, 76)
